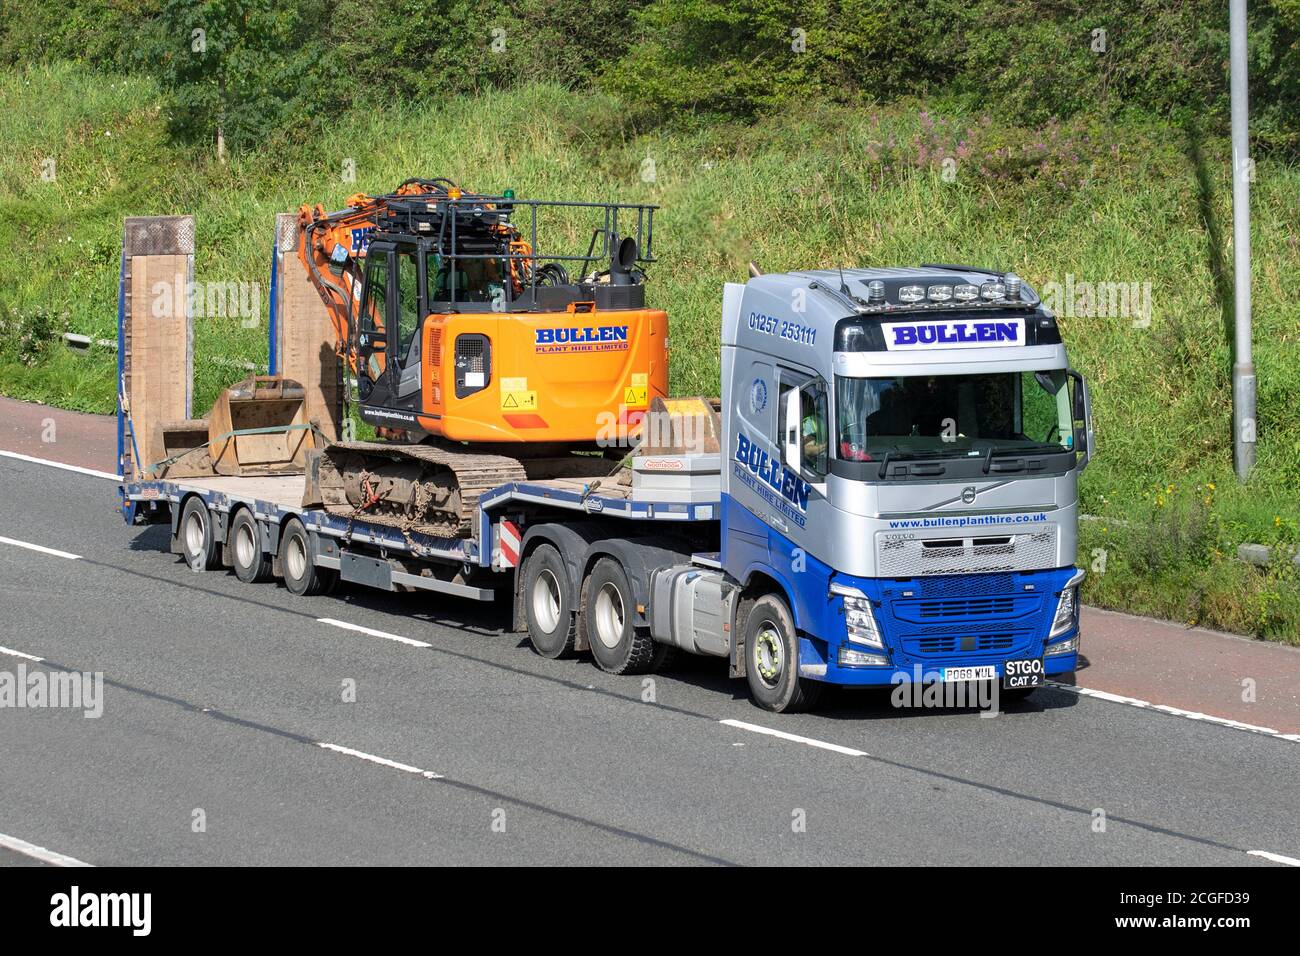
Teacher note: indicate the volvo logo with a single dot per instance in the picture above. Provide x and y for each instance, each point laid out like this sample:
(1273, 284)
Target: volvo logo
(968, 495)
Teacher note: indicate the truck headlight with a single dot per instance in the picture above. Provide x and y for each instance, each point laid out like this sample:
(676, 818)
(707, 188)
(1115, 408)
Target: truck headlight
(1067, 608)
(1063, 647)
(859, 619)
(848, 657)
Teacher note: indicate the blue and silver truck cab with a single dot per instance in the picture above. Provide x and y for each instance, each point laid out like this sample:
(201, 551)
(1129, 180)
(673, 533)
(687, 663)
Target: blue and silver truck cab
(899, 495)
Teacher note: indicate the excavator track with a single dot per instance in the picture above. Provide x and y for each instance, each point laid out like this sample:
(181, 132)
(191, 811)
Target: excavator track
(416, 487)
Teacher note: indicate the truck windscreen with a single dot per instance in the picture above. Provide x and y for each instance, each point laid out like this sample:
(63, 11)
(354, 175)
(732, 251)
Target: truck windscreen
(953, 415)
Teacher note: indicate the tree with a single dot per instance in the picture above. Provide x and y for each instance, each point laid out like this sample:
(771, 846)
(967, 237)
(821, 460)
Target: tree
(236, 69)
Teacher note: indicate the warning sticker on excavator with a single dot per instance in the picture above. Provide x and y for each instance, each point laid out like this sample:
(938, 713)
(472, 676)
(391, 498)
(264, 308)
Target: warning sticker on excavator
(636, 395)
(516, 396)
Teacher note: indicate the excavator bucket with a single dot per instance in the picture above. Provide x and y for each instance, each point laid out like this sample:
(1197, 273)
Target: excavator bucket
(184, 446)
(260, 427)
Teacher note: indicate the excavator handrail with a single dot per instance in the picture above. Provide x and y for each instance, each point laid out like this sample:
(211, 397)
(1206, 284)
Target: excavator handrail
(319, 238)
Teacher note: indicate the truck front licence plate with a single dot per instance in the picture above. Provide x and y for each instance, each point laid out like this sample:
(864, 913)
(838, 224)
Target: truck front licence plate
(953, 675)
(1018, 674)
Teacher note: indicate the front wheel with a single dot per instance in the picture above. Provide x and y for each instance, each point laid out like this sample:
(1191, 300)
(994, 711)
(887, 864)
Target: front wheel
(772, 659)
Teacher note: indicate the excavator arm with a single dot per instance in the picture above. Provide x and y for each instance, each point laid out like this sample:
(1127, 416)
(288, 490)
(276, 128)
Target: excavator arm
(332, 249)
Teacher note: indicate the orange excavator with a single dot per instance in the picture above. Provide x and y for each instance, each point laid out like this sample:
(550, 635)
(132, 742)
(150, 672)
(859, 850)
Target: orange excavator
(480, 356)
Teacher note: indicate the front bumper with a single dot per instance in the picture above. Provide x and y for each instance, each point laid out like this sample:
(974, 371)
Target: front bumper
(946, 621)
(813, 665)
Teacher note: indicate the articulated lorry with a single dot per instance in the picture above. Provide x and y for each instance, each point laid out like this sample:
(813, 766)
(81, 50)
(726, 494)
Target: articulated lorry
(887, 491)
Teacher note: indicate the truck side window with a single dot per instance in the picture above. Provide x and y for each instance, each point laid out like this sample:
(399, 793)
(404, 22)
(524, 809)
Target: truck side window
(408, 304)
(813, 428)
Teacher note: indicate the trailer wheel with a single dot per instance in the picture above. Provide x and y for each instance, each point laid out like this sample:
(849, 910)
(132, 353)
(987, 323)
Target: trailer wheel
(198, 543)
(547, 590)
(250, 562)
(772, 652)
(617, 644)
(301, 575)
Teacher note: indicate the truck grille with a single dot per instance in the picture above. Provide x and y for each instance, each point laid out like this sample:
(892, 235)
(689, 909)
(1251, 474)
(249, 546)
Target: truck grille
(938, 646)
(928, 610)
(908, 557)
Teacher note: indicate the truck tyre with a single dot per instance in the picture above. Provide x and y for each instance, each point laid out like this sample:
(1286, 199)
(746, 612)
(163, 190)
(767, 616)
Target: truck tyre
(547, 599)
(198, 542)
(617, 644)
(301, 576)
(250, 562)
(772, 659)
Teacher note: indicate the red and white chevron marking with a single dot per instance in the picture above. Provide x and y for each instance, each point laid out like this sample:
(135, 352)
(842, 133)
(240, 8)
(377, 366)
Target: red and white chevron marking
(509, 541)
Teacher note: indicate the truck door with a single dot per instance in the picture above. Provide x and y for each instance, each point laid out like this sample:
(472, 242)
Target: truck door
(803, 448)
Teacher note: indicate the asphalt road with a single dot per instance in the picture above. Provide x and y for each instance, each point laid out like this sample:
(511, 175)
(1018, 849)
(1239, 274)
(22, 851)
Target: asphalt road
(219, 696)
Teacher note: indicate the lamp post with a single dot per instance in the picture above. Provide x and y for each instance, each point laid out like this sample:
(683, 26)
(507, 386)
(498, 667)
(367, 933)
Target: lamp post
(1243, 368)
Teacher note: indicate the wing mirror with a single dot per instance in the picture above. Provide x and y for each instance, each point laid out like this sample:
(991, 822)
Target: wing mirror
(790, 433)
(1081, 413)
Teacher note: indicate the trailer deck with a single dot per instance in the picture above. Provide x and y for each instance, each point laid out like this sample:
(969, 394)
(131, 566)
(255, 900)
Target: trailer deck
(275, 499)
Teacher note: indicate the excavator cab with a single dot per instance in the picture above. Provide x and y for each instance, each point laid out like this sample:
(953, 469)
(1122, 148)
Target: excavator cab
(388, 344)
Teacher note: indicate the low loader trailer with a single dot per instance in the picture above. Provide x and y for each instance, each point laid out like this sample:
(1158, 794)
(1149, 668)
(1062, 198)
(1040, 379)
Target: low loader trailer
(886, 492)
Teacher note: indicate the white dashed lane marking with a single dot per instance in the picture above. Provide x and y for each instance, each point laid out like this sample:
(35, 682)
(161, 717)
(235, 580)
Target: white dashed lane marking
(41, 548)
(795, 738)
(39, 852)
(382, 761)
(372, 632)
(1275, 857)
(58, 464)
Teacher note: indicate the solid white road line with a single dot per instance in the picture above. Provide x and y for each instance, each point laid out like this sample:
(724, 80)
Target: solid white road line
(1175, 711)
(43, 550)
(58, 464)
(1275, 857)
(382, 761)
(27, 657)
(39, 852)
(371, 631)
(821, 744)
